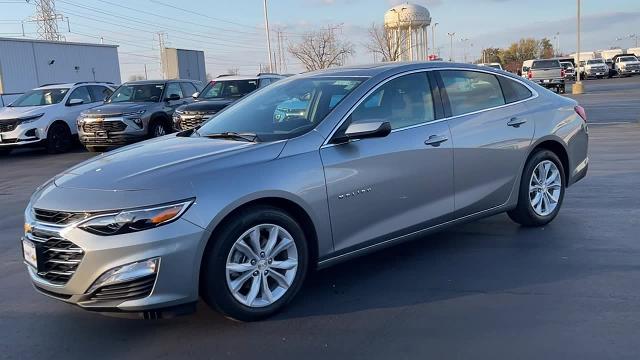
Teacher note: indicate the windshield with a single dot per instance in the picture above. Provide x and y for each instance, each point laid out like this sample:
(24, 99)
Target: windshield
(628, 58)
(228, 88)
(40, 97)
(595, 61)
(282, 111)
(545, 64)
(137, 93)
(567, 66)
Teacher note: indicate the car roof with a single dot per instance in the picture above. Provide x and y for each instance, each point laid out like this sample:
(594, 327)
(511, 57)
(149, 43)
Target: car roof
(247, 77)
(69, 85)
(161, 81)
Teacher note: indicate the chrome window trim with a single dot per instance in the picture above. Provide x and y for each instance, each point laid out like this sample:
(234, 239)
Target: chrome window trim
(534, 95)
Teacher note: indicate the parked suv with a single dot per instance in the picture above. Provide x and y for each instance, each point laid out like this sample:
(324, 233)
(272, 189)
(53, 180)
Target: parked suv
(46, 116)
(136, 110)
(218, 94)
(239, 211)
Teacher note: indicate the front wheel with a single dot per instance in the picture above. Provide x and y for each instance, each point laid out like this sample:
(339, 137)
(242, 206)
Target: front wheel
(255, 264)
(59, 138)
(541, 190)
(157, 129)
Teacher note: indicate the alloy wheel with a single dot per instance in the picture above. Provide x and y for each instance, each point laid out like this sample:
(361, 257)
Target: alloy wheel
(545, 187)
(261, 265)
(159, 131)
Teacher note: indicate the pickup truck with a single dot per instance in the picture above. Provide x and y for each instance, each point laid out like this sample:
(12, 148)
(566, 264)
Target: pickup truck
(593, 68)
(626, 65)
(547, 73)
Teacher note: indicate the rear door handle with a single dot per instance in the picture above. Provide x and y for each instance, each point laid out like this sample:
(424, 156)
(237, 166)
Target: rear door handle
(435, 140)
(516, 122)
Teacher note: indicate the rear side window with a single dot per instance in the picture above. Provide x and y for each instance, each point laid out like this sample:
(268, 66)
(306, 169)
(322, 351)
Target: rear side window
(545, 64)
(404, 101)
(513, 91)
(470, 91)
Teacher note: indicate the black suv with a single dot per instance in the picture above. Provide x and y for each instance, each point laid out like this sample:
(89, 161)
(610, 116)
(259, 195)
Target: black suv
(217, 95)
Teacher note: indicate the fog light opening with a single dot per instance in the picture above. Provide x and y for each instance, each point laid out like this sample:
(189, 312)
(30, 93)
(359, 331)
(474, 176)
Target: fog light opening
(126, 273)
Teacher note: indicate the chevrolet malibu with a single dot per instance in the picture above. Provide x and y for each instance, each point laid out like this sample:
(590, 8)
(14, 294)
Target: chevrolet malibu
(239, 210)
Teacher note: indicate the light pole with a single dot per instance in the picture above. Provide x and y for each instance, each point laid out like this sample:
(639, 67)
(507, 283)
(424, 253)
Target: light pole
(451, 35)
(266, 27)
(577, 87)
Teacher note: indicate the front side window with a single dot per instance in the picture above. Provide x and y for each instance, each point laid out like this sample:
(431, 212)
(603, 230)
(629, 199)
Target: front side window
(229, 88)
(404, 101)
(81, 93)
(137, 93)
(173, 89)
(40, 97)
(100, 93)
(188, 89)
(470, 91)
(283, 110)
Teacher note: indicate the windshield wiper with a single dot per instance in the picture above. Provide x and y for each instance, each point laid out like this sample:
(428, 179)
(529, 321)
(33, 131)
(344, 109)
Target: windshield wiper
(233, 136)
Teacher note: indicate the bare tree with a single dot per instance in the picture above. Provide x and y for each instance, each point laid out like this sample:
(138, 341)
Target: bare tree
(321, 49)
(233, 71)
(136, 77)
(386, 43)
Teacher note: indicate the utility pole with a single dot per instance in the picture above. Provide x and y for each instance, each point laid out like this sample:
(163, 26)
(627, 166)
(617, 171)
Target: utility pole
(266, 27)
(577, 87)
(161, 46)
(557, 43)
(47, 19)
(146, 77)
(451, 35)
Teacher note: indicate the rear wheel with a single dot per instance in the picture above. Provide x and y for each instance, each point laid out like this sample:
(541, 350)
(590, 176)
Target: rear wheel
(255, 264)
(541, 190)
(59, 139)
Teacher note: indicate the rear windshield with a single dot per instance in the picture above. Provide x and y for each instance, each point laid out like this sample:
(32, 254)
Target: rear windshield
(545, 64)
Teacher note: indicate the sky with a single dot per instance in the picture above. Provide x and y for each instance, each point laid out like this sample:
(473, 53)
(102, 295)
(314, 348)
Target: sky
(232, 32)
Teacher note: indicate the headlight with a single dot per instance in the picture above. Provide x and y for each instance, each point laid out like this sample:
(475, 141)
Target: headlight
(127, 221)
(134, 113)
(28, 119)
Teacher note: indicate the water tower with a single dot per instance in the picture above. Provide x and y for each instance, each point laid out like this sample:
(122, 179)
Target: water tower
(407, 23)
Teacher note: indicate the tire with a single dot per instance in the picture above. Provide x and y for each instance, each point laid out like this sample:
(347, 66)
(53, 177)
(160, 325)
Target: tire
(562, 89)
(157, 129)
(217, 279)
(525, 213)
(59, 139)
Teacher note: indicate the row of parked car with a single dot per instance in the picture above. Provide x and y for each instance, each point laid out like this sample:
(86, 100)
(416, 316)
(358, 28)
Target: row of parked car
(102, 115)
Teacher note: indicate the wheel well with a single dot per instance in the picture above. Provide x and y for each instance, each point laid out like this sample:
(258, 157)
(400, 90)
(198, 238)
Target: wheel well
(560, 151)
(58, 122)
(161, 118)
(291, 208)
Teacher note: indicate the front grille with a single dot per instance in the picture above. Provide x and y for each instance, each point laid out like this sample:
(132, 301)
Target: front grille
(58, 217)
(108, 126)
(7, 126)
(130, 290)
(58, 258)
(191, 121)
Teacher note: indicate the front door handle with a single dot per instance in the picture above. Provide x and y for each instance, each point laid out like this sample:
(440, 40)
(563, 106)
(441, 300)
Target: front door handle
(516, 122)
(435, 140)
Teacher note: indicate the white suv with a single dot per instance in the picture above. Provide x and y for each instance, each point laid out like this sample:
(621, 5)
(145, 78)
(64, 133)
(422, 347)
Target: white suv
(46, 116)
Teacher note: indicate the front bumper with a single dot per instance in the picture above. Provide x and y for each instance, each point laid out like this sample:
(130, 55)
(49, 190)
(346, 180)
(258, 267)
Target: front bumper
(177, 246)
(22, 135)
(115, 131)
(628, 71)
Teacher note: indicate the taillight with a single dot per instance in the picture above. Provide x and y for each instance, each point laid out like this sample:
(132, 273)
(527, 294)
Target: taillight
(580, 111)
(529, 74)
(562, 73)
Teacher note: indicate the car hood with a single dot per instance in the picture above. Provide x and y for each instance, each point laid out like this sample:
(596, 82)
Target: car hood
(165, 163)
(116, 109)
(19, 112)
(207, 105)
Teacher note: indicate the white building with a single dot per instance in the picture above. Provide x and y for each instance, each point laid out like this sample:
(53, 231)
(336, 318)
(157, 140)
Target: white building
(408, 23)
(26, 64)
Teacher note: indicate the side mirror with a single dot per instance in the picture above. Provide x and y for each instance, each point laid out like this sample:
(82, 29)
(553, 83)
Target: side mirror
(195, 94)
(173, 97)
(74, 102)
(364, 130)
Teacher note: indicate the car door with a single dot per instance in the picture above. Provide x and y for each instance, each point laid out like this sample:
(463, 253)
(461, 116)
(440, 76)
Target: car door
(382, 188)
(172, 89)
(72, 109)
(491, 134)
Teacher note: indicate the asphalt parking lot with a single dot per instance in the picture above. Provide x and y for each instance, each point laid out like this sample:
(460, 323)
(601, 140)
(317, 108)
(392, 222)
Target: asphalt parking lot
(489, 289)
